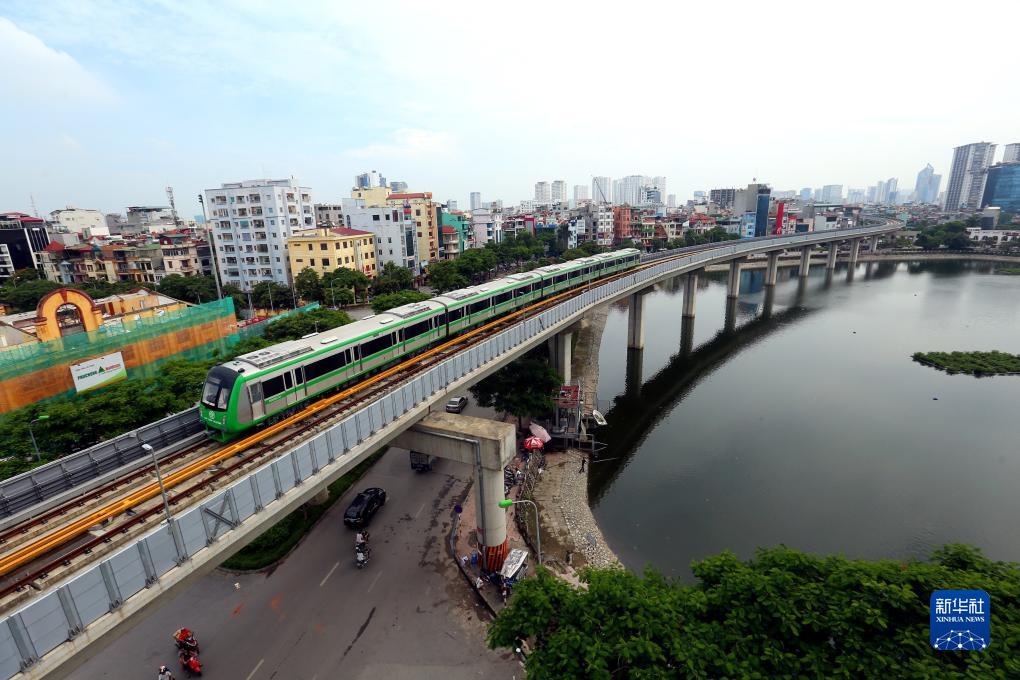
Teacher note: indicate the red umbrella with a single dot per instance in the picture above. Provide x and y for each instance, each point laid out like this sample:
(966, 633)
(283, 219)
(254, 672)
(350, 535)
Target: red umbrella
(533, 443)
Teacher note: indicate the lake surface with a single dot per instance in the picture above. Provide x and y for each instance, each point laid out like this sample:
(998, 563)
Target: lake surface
(809, 425)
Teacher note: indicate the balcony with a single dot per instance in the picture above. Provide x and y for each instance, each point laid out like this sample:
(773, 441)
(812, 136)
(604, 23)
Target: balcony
(254, 198)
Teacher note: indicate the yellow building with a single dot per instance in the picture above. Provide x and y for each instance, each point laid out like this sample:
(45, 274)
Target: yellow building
(420, 207)
(372, 196)
(325, 249)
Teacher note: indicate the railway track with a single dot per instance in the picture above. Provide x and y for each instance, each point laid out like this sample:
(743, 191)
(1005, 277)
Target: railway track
(41, 556)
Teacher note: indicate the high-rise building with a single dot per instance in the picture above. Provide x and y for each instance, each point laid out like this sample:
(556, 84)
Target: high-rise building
(967, 175)
(82, 221)
(832, 193)
(854, 196)
(602, 189)
(660, 184)
(22, 239)
(398, 187)
(581, 192)
(885, 192)
(476, 200)
(559, 191)
(1011, 153)
(671, 199)
(543, 193)
(752, 204)
(368, 180)
(805, 194)
(926, 188)
(451, 204)
(251, 222)
(630, 190)
(722, 197)
(1002, 187)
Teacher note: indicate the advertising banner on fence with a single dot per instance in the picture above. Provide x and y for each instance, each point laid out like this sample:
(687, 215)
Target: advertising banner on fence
(97, 372)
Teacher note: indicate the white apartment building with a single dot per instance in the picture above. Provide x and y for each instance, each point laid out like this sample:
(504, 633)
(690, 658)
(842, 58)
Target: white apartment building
(476, 200)
(559, 191)
(581, 192)
(543, 193)
(1011, 153)
(395, 233)
(487, 226)
(967, 175)
(251, 222)
(81, 221)
(602, 189)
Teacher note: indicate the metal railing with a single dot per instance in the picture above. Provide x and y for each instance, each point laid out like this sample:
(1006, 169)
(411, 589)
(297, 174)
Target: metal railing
(63, 612)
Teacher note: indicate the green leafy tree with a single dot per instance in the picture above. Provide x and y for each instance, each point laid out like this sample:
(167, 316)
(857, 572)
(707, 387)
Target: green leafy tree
(522, 388)
(239, 296)
(783, 614)
(392, 279)
(308, 285)
(303, 323)
(717, 234)
(357, 282)
(25, 296)
(380, 303)
(272, 295)
(445, 275)
(194, 289)
(476, 264)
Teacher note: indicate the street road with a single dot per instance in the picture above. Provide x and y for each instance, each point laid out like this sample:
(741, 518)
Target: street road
(408, 614)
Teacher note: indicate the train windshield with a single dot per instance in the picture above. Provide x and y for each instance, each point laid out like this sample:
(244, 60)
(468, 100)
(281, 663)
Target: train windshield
(218, 384)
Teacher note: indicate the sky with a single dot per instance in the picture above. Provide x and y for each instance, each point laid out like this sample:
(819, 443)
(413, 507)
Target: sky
(107, 103)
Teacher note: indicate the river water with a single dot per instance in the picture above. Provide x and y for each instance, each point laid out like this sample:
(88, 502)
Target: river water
(809, 425)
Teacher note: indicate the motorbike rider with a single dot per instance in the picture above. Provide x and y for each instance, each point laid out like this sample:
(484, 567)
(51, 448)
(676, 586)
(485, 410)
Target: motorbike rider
(164, 674)
(361, 539)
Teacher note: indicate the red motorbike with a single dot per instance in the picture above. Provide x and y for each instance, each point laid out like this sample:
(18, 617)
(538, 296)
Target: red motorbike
(184, 638)
(190, 663)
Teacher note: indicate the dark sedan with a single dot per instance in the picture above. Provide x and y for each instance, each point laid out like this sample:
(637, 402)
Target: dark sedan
(359, 513)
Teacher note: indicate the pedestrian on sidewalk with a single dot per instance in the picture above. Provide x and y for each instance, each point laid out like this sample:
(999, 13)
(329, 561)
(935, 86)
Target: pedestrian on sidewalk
(584, 462)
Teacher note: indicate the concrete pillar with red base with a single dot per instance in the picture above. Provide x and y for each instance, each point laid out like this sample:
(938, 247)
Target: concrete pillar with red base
(487, 446)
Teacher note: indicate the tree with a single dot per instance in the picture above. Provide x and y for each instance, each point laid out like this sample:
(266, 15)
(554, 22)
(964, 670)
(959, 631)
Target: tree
(240, 299)
(475, 264)
(445, 275)
(272, 295)
(392, 279)
(782, 614)
(717, 234)
(194, 289)
(380, 303)
(959, 241)
(522, 388)
(298, 325)
(308, 285)
(25, 296)
(343, 277)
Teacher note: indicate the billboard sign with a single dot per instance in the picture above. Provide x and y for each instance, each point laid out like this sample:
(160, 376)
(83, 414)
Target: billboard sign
(97, 372)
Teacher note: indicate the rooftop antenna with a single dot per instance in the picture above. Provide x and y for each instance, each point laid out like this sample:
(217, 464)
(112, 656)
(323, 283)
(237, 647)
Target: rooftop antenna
(31, 200)
(173, 207)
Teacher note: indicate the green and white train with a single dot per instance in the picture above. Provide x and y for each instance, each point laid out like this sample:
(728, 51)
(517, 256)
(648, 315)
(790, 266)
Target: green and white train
(263, 385)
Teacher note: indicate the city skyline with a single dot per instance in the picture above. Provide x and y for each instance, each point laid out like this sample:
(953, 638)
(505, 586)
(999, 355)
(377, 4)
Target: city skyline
(103, 121)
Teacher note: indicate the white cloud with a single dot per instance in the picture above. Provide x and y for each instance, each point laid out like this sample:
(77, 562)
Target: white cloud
(407, 143)
(31, 73)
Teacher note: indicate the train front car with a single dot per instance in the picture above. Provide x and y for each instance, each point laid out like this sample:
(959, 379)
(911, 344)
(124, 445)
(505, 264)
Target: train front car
(219, 402)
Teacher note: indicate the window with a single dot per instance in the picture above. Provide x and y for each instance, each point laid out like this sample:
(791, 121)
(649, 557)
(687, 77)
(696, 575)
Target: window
(255, 390)
(375, 218)
(378, 344)
(288, 380)
(323, 246)
(417, 213)
(501, 298)
(389, 239)
(273, 386)
(325, 262)
(455, 314)
(309, 246)
(420, 328)
(479, 306)
(327, 365)
(311, 262)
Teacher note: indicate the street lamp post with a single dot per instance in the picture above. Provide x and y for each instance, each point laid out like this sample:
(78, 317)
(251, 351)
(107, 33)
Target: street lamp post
(159, 478)
(31, 434)
(506, 503)
(332, 295)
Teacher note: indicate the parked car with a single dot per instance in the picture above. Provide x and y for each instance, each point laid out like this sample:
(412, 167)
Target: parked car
(422, 462)
(359, 513)
(456, 405)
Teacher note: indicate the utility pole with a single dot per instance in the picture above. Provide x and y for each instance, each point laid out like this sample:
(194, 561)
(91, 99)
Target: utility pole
(212, 248)
(173, 207)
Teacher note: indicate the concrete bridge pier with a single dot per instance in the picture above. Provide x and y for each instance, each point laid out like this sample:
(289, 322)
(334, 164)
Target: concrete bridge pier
(830, 260)
(733, 280)
(686, 335)
(486, 445)
(636, 321)
(855, 250)
(873, 246)
(805, 260)
(690, 292)
(730, 319)
(633, 375)
(560, 357)
(769, 301)
(772, 270)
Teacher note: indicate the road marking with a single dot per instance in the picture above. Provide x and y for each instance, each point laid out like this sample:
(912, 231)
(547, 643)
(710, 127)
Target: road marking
(374, 581)
(256, 669)
(419, 511)
(323, 581)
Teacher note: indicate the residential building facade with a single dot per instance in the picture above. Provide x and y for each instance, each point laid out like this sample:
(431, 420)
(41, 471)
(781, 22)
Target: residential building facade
(602, 189)
(329, 214)
(559, 191)
(1002, 187)
(81, 221)
(325, 249)
(476, 200)
(1011, 153)
(251, 222)
(419, 207)
(22, 241)
(543, 193)
(487, 226)
(722, 197)
(395, 234)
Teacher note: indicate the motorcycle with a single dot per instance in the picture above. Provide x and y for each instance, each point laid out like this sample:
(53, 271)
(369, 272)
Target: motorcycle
(361, 555)
(190, 663)
(184, 638)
